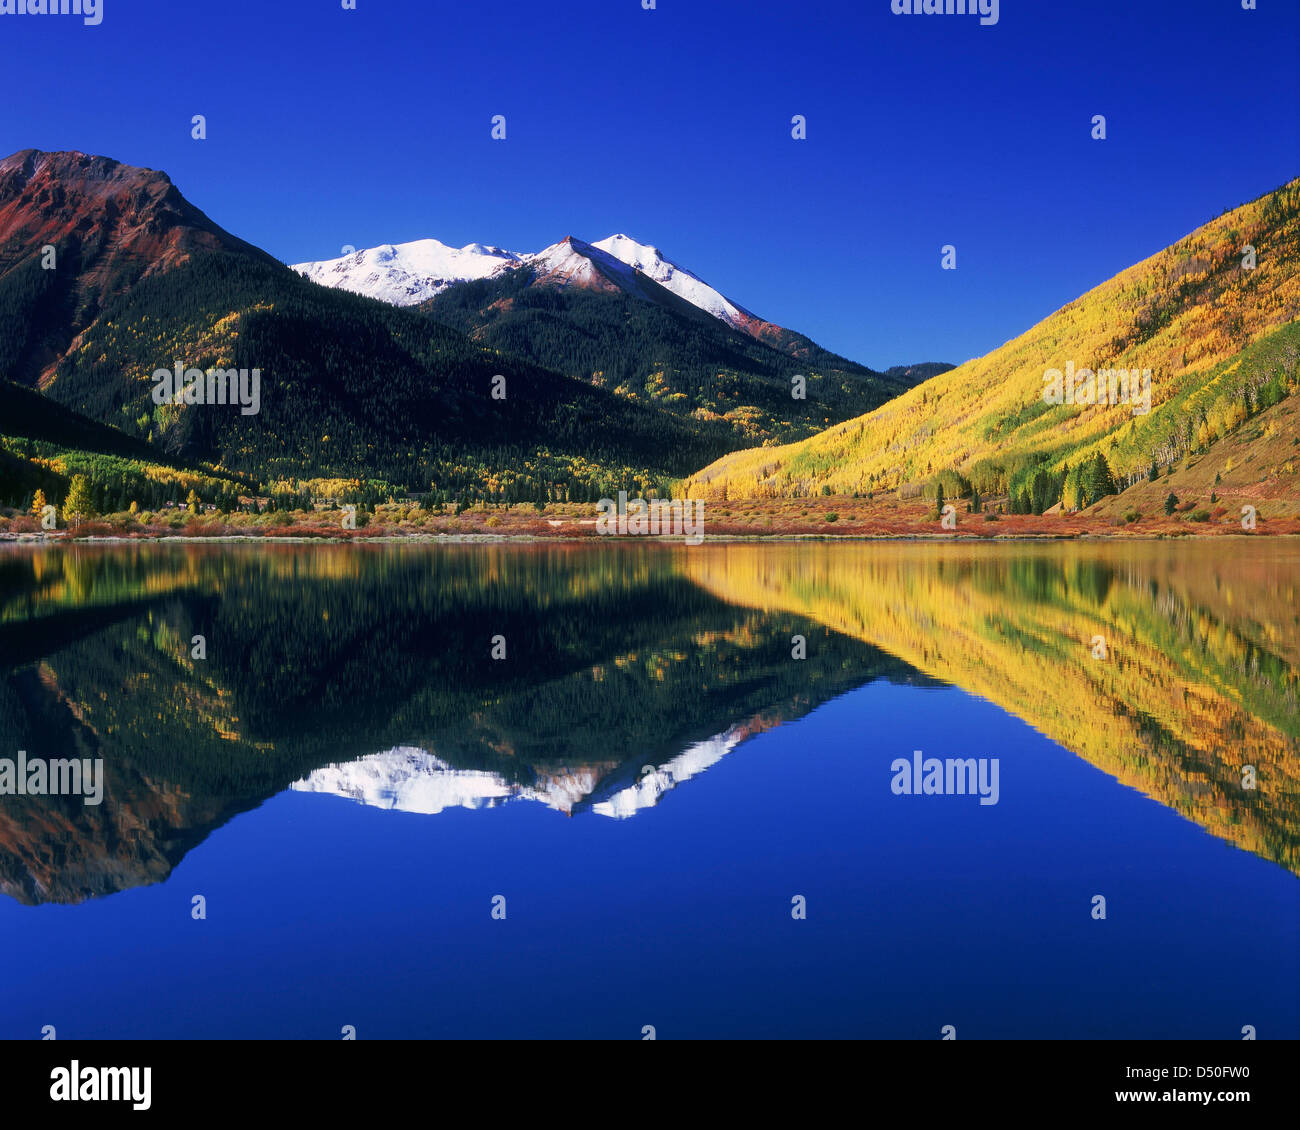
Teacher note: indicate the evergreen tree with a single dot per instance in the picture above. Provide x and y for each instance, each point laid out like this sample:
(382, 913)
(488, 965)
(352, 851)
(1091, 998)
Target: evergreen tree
(1096, 479)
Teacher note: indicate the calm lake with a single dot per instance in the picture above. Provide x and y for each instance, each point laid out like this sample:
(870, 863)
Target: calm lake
(744, 790)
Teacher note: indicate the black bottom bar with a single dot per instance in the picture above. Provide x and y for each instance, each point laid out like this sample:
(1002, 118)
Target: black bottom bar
(341, 1078)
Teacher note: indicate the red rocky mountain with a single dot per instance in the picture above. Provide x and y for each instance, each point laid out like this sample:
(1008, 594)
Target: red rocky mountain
(109, 224)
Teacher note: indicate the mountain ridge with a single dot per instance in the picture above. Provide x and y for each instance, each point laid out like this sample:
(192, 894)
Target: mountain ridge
(109, 225)
(416, 276)
(1182, 316)
(356, 389)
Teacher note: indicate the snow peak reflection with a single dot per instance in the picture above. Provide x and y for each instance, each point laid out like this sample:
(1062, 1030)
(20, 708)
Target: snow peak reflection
(957, 776)
(61, 777)
(657, 517)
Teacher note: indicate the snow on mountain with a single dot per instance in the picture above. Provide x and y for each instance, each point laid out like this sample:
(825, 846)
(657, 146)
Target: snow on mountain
(407, 779)
(405, 274)
(654, 781)
(651, 263)
(571, 262)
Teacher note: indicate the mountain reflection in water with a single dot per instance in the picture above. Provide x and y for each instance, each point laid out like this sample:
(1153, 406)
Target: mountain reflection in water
(367, 672)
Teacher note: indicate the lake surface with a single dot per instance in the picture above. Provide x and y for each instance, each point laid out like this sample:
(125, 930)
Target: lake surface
(578, 790)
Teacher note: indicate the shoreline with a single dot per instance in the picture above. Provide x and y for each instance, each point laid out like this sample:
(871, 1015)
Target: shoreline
(620, 539)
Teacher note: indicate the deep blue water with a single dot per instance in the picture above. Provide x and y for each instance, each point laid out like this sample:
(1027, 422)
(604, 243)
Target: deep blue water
(331, 669)
(921, 911)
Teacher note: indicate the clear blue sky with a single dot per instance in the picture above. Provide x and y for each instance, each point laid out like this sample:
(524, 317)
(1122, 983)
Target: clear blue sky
(329, 127)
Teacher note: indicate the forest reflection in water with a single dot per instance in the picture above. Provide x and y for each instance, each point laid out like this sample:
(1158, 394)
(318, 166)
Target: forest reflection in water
(595, 679)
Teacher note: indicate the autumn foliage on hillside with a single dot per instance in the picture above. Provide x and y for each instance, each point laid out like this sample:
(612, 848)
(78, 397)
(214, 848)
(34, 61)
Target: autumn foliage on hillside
(1148, 666)
(1185, 314)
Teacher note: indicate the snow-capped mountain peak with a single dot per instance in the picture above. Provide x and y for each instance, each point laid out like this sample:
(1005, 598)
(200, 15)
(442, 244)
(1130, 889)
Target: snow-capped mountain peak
(571, 262)
(649, 260)
(631, 251)
(405, 274)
